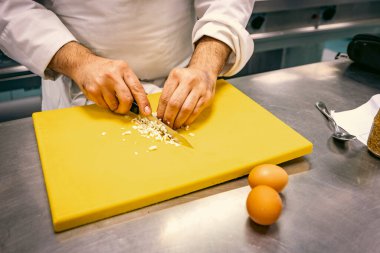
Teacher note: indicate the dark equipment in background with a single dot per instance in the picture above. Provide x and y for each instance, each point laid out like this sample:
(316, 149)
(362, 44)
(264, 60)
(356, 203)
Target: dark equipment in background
(364, 49)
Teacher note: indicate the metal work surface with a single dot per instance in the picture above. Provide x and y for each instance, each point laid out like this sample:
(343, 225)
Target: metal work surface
(332, 202)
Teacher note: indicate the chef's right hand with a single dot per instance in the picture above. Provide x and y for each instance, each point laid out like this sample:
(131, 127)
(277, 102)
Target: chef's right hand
(109, 83)
(112, 84)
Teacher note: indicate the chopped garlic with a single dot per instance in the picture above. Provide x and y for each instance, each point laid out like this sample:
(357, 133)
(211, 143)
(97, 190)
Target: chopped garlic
(126, 132)
(154, 114)
(153, 129)
(151, 148)
(136, 153)
(123, 139)
(191, 134)
(104, 133)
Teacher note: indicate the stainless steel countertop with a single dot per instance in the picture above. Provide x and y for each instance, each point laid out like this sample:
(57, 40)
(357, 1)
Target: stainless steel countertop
(332, 202)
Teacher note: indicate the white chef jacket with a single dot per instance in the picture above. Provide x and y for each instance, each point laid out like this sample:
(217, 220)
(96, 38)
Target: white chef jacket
(152, 36)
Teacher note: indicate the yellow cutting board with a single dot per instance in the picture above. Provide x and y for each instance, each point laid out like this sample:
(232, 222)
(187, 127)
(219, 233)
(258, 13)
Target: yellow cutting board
(92, 171)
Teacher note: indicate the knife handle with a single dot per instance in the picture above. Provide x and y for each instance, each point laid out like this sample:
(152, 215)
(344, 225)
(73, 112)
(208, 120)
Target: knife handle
(134, 108)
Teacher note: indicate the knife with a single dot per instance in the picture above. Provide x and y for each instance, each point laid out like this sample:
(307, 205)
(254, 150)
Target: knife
(177, 137)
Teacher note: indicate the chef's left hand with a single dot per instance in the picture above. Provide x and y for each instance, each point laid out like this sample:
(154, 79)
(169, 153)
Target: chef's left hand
(187, 92)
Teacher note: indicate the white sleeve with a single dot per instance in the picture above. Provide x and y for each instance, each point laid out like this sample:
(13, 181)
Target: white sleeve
(31, 34)
(225, 20)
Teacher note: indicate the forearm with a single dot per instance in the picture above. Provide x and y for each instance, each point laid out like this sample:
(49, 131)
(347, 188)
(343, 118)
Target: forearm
(109, 83)
(70, 58)
(210, 55)
(31, 34)
(226, 21)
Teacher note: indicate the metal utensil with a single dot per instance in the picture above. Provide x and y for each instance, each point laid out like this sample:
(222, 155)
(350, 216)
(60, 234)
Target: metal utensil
(339, 133)
(177, 137)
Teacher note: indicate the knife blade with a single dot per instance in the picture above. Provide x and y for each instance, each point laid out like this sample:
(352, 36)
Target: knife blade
(134, 111)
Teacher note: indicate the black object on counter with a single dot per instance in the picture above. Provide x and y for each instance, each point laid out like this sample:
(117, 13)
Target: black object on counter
(364, 49)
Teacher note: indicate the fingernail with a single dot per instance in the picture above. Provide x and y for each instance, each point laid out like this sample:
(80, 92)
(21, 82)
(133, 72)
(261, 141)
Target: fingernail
(147, 109)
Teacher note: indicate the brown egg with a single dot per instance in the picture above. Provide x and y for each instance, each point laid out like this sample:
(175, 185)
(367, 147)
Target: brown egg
(270, 175)
(264, 205)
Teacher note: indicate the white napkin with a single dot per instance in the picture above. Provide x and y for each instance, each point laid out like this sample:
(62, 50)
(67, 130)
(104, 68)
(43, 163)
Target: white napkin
(359, 121)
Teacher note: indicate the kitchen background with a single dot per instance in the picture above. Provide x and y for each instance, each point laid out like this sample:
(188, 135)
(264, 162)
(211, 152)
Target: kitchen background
(287, 33)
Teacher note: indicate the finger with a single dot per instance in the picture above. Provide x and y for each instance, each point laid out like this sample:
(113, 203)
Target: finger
(94, 95)
(175, 103)
(138, 92)
(201, 105)
(174, 106)
(186, 109)
(124, 97)
(100, 102)
(110, 99)
(170, 86)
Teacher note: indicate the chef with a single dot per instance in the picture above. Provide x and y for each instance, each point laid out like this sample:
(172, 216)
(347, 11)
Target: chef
(113, 52)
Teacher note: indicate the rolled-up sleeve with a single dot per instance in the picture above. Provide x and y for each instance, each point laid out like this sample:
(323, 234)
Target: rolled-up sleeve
(225, 20)
(31, 34)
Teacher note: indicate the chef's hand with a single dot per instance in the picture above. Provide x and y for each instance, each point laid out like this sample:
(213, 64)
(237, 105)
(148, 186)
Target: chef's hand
(188, 91)
(109, 83)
